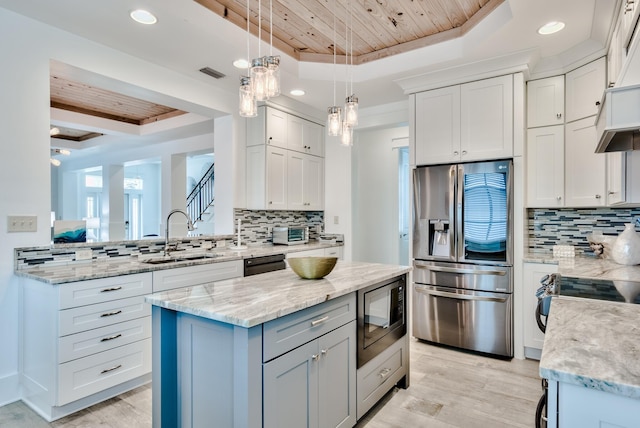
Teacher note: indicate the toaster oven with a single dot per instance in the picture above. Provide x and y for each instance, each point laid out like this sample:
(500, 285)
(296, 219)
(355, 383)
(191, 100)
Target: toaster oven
(290, 235)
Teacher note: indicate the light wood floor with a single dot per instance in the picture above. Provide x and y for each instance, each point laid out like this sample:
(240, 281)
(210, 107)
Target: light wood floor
(448, 389)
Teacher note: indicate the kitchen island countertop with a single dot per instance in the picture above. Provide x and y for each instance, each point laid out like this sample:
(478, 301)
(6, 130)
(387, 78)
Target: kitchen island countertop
(587, 267)
(594, 344)
(253, 300)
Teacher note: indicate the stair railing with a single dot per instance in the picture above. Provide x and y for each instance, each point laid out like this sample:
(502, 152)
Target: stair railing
(201, 197)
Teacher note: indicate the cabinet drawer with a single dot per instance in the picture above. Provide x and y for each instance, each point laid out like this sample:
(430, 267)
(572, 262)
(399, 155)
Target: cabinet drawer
(375, 378)
(101, 290)
(90, 342)
(92, 374)
(102, 314)
(195, 275)
(283, 334)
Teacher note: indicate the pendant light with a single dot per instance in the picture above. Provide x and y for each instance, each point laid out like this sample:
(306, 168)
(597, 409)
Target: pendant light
(334, 121)
(273, 61)
(247, 102)
(351, 102)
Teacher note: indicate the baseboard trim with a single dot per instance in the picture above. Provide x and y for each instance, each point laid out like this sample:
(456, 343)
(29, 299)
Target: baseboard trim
(9, 389)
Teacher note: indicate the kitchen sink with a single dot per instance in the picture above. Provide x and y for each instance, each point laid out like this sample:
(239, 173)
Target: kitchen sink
(177, 258)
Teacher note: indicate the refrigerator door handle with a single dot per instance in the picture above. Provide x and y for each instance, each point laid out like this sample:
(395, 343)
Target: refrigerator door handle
(460, 271)
(448, 295)
(459, 215)
(453, 231)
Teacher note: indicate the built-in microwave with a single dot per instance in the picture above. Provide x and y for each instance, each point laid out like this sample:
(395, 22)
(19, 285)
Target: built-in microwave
(290, 235)
(381, 318)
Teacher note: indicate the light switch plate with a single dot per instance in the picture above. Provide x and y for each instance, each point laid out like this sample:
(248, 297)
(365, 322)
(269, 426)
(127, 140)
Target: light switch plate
(22, 223)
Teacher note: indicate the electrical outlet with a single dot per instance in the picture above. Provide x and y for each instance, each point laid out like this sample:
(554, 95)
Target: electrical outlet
(22, 223)
(85, 254)
(221, 243)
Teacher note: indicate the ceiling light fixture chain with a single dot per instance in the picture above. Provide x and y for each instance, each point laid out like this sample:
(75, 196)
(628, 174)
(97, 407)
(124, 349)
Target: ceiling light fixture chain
(351, 102)
(346, 138)
(263, 80)
(334, 122)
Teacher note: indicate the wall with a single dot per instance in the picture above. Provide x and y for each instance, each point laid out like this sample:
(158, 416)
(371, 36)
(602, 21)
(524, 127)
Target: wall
(25, 179)
(375, 194)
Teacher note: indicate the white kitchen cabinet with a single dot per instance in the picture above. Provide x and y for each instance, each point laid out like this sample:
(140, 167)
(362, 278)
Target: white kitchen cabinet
(305, 182)
(304, 136)
(545, 102)
(545, 167)
(437, 126)
(584, 407)
(585, 170)
(280, 129)
(468, 122)
(84, 342)
(486, 120)
(309, 373)
(533, 337)
(584, 89)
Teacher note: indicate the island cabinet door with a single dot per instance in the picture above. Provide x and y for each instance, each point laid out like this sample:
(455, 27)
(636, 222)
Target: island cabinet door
(291, 388)
(337, 378)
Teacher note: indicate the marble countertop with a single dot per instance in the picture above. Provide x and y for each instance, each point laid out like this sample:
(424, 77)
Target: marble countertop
(593, 343)
(253, 300)
(588, 267)
(87, 270)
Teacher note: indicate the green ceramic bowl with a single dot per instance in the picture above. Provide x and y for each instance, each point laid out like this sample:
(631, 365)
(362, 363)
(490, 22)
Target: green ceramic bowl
(312, 267)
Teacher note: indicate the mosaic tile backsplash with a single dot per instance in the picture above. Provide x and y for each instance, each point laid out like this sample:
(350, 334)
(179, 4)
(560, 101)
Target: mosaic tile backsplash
(255, 229)
(549, 227)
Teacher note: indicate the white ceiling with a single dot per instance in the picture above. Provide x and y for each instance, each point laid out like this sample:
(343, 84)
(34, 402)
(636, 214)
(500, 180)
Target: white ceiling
(188, 37)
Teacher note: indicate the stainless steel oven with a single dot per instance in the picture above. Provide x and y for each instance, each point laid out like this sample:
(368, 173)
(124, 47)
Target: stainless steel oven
(381, 318)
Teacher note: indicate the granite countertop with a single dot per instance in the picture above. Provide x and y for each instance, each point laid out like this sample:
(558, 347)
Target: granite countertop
(593, 343)
(87, 270)
(253, 300)
(587, 267)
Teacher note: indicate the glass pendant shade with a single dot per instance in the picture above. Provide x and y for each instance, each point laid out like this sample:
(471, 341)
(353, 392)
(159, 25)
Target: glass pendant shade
(346, 139)
(334, 121)
(351, 110)
(273, 76)
(248, 104)
(259, 78)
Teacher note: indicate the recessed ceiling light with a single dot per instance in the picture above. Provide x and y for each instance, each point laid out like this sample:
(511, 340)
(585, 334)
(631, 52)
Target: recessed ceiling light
(241, 63)
(143, 17)
(297, 92)
(551, 27)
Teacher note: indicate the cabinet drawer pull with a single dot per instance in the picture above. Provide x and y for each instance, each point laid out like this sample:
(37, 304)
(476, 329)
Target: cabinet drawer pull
(115, 336)
(108, 314)
(384, 372)
(106, 290)
(111, 369)
(319, 321)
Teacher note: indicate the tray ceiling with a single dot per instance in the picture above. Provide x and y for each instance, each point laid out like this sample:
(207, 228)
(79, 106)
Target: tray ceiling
(304, 29)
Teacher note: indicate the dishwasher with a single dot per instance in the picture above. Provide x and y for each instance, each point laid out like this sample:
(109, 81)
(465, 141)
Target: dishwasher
(262, 264)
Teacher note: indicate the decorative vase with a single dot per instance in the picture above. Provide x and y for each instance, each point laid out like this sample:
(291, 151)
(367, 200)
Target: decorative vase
(626, 248)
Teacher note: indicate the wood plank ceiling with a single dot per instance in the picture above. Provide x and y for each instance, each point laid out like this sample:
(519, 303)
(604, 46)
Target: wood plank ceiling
(304, 29)
(70, 95)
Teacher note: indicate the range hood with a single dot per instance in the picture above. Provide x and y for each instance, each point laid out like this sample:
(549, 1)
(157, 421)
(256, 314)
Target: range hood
(618, 120)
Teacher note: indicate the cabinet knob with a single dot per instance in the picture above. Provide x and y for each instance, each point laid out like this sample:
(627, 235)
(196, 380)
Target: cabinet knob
(559, 198)
(598, 196)
(456, 153)
(464, 152)
(597, 103)
(611, 192)
(559, 115)
(270, 202)
(269, 141)
(315, 357)
(323, 352)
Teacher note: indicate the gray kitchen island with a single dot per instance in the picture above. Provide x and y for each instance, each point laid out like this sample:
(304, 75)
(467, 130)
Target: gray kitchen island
(271, 350)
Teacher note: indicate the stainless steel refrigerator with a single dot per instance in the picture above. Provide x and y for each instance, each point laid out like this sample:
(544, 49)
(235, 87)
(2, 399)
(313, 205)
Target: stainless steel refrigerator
(463, 256)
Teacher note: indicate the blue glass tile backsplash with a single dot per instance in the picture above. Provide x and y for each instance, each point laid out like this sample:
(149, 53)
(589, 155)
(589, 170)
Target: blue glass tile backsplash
(569, 226)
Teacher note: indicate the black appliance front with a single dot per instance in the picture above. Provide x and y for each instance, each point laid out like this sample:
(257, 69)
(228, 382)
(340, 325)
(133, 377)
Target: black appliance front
(381, 318)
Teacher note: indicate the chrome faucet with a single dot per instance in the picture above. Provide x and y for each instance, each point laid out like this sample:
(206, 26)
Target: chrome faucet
(190, 227)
